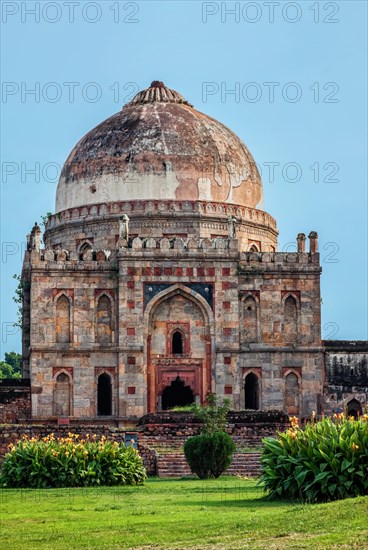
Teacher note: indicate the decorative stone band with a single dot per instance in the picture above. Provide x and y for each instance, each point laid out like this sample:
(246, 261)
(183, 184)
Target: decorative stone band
(228, 248)
(248, 258)
(162, 208)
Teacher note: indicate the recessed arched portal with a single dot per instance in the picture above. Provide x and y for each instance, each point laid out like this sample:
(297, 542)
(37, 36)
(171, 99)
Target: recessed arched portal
(104, 395)
(177, 395)
(251, 392)
(180, 329)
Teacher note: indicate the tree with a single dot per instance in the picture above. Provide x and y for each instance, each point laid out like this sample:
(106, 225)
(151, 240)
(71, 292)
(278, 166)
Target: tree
(6, 371)
(211, 452)
(15, 360)
(213, 415)
(11, 367)
(19, 297)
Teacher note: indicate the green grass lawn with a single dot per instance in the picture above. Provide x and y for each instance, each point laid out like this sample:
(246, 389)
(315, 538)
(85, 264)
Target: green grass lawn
(221, 514)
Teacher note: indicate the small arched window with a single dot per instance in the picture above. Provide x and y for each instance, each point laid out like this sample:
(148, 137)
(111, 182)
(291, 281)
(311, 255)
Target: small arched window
(62, 328)
(251, 392)
(85, 247)
(61, 403)
(177, 343)
(104, 320)
(104, 395)
(253, 248)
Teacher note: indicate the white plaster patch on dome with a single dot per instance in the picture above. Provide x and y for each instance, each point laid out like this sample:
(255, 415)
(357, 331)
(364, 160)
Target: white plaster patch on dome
(204, 189)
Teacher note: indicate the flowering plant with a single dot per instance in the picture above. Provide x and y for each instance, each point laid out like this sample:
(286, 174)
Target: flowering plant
(70, 462)
(326, 460)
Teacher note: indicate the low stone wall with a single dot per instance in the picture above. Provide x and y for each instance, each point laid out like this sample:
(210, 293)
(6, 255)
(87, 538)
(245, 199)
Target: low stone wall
(158, 433)
(15, 401)
(172, 429)
(346, 371)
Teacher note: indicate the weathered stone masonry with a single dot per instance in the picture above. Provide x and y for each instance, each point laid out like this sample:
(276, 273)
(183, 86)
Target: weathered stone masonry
(220, 352)
(159, 280)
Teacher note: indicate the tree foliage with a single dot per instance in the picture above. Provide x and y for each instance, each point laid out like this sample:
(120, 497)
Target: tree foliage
(11, 367)
(210, 453)
(213, 415)
(19, 297)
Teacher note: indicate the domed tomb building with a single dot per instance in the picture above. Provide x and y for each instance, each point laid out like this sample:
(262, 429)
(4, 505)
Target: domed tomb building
(160, 279)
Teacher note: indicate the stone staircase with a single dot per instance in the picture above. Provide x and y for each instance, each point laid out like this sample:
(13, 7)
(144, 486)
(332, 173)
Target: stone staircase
(173, 464)
(245, 464)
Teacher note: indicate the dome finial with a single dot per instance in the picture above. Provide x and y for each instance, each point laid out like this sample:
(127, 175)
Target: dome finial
(157, 84)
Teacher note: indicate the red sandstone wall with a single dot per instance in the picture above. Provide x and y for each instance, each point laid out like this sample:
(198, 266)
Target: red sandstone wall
(18, 410)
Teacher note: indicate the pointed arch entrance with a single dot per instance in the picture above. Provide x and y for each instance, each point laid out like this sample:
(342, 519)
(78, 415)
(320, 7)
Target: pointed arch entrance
(354, 408)
(177, 395)
(179, 332)
(251, 392)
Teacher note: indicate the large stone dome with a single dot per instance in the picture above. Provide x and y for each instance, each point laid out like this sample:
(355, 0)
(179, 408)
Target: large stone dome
(159, 147)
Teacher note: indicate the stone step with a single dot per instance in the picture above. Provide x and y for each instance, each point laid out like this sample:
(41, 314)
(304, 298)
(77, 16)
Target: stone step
(173, 464)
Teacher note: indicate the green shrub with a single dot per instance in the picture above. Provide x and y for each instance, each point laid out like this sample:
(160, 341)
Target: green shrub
(213, 415)
(70, 462)
(208, 455)
(327, 460)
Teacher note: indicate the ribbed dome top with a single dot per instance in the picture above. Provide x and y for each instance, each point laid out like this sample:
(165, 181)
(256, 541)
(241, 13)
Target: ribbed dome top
(158, 93)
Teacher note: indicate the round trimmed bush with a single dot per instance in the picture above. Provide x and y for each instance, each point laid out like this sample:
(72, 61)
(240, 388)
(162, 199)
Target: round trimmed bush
(327, 460)
(208, 455)
(70, 462)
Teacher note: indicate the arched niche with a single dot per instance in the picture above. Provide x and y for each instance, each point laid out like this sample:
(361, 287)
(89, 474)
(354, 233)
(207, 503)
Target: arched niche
(249, 319)
(62, 319)
(290, 330)
(62, 395)
(292, 393)
(104, 319)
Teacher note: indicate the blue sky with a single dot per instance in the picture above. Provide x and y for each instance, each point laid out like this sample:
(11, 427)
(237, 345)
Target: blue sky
(299, 82)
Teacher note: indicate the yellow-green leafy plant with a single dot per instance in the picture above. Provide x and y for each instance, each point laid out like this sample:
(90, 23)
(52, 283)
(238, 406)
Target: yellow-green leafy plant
(327, 460)
(70, 462)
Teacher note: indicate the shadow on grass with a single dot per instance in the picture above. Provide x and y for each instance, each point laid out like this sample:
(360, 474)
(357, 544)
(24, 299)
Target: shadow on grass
(238, 501)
